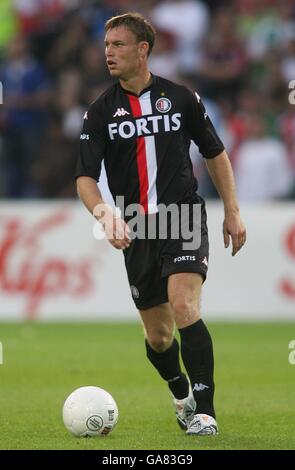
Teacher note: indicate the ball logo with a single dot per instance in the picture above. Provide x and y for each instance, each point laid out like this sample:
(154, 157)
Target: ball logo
(94, 423)
(111, 415)
(163, 105)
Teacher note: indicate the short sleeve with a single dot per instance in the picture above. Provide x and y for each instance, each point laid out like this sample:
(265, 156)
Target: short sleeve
(201, 129)
(92, 144)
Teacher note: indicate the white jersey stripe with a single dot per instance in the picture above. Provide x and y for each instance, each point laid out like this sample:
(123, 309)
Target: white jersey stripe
(151, 157)
(145, 103)
(150, 148)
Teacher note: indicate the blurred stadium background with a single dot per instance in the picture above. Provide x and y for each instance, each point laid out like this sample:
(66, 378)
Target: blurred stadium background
(240, 57)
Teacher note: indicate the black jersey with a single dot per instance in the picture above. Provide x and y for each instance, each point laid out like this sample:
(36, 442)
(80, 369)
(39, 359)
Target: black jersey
(144, 141)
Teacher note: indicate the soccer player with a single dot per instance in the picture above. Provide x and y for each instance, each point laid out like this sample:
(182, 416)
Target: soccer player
(142, 127)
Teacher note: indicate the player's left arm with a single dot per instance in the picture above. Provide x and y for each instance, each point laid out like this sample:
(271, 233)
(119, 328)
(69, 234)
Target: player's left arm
(203, 133)
(221, 173)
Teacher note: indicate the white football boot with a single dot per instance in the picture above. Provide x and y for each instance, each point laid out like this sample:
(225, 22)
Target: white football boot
(185, 410)
(202, 425)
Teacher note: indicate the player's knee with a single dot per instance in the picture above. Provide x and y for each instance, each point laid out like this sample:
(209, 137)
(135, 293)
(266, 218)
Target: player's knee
(185, 309)
(160, 342)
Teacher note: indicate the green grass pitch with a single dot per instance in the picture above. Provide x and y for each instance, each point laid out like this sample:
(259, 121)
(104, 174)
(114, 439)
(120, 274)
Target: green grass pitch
(43, 363)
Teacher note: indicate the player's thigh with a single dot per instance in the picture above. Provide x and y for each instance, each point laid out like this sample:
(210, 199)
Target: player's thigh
(184, 291)
(183, 254)
(143, 267)
(158, 323)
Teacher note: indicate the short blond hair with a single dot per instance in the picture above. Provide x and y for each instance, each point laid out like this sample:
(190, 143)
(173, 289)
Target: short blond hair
(137, 24)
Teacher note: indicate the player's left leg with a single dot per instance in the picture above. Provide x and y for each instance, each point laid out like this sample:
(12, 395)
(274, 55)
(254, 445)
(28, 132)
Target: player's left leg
(184, 291)
(163, 352)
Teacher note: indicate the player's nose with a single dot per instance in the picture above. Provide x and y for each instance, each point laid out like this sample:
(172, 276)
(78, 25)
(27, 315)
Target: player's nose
(109, 51)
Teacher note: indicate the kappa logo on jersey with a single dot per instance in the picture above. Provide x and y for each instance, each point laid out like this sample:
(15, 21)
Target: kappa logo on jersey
(199, 100)
(120, 112)
(163, 105)
(205, 261)
(198, 97)
(84, 137)
(145, 126)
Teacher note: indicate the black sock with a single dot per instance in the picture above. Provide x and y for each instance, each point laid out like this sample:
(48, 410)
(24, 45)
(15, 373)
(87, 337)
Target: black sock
(197, 356)
(167, 364)
(179, 386)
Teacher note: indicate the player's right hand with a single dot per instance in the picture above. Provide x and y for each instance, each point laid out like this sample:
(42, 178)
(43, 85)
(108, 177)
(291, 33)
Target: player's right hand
(116, 230)
(118, 233)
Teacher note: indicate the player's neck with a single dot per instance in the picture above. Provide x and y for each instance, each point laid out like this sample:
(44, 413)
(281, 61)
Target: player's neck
(138, 83)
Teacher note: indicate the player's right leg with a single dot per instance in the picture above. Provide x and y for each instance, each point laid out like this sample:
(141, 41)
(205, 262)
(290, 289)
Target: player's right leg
(163, 352)
(150, 296)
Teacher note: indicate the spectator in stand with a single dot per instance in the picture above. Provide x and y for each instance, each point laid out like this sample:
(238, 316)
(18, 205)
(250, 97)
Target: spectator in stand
(38, 20)
(68, 49)
(54, 169)
(224, 63)
(165, 60)
(188, 22)
(24, 113)
(93, 69)
(271, 84)
(35, 16)
(262, 169)
(268, 26)
(69, 104)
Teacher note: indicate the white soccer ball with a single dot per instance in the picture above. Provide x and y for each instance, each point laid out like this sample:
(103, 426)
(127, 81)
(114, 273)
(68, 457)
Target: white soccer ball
(90, 411)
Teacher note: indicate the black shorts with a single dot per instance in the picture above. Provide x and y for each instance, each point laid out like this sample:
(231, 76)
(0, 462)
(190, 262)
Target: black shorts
(149, 262)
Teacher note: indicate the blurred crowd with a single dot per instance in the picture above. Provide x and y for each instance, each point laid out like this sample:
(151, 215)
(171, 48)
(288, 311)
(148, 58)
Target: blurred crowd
(238, 54)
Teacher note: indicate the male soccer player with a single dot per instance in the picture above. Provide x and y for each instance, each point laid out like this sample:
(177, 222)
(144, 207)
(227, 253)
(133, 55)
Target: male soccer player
(142, 127)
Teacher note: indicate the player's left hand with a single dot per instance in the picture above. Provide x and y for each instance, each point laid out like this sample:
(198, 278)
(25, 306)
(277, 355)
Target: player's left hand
(234, 228)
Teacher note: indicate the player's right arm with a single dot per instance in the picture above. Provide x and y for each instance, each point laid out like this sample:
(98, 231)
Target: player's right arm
(92, 149)
(116, 229)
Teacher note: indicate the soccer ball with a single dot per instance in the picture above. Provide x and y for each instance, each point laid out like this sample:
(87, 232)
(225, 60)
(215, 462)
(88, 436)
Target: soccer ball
(90, 411)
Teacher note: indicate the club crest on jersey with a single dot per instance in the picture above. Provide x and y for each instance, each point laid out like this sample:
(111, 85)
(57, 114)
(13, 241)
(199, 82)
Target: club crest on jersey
(134, 292)
(163, 105)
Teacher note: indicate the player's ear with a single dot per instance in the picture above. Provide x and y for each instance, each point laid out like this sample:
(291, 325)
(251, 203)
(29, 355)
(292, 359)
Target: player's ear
(143, 48)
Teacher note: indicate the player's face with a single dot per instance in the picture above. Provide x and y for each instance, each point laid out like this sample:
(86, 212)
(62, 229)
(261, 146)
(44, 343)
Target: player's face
(123, 53)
